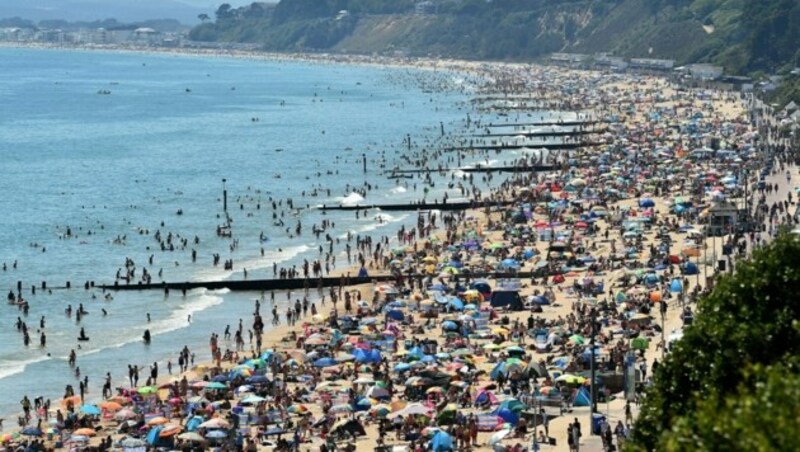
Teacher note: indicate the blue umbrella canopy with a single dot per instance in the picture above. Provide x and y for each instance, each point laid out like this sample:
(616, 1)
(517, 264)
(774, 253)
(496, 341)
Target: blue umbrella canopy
(31, 431)
(90, 410)
(509, 263)
(449, 325)
(325, 362)
(256, 379)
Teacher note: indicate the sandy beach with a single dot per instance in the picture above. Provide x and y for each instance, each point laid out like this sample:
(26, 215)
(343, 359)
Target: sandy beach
(616, 241)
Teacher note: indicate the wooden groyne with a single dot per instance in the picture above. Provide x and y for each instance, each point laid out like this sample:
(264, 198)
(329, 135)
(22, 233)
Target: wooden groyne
(530, 134)
(505, 146)
(478, 169)
(544, 123)
(265, 285)
(461, 205)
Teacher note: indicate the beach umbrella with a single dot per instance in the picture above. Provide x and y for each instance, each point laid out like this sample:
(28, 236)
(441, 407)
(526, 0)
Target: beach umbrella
(381, 410)
(132, 443)
(31, 431)
(85, 432)
(571, 379)
(215, 423)
(449, 325)
(576, 339)
(124, 414)
(145, 390)
(110, 406)
(215, 385)
(170, 430)
(158, 420)
(257, 379)
(509, 263)
(216, 434)
(197, 400)
(91, 410)
(377, 392)
(325, 362)
(75, 400)
(341, 408)
(498, 436)
(252, 399)
(191, 436)
(364, 403)
(402, 367)
(297, 409)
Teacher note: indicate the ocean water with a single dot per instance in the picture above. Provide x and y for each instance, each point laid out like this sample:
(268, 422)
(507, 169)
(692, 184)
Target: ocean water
(114, 169)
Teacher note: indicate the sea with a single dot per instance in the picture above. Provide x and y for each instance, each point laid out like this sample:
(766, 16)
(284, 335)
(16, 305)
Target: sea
(101, 150)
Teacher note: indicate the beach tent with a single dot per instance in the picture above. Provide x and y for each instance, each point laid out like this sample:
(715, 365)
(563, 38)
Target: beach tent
(441, 442)
(507, 298)
(513, 405)
(582, 398)
(507, 415)
(485, 396)
(499, 369)
(396, 314)
(690, 269)
(675, 286)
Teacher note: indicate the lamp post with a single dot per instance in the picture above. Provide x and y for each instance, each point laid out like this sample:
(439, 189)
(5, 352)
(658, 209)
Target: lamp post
(593, 394)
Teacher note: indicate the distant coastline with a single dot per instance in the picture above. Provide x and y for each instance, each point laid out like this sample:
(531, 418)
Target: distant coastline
(316, 58)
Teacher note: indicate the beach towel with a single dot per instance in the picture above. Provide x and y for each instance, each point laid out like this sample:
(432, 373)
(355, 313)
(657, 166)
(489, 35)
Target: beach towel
(487, 422)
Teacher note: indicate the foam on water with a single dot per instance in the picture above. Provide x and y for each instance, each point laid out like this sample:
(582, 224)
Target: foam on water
(13, 367)
(270, 257)
(351, 199)
(386, 220)
(196, 301)
(396, 190)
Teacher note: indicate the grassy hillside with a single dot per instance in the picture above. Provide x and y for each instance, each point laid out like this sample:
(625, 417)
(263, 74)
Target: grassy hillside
(742, 35)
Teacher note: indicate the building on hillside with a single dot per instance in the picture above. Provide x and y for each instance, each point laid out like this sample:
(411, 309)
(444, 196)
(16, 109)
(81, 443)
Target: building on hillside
(608, 61)
(652, 64)
(569, 58)
(705, 71)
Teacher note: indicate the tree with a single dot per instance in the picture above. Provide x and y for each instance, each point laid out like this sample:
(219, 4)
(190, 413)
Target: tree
(224, 11)
(762, 414)
(203, 17)
(746, 327)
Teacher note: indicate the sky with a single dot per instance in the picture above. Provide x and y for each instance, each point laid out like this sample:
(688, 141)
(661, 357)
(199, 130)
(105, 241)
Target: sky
(123, 10)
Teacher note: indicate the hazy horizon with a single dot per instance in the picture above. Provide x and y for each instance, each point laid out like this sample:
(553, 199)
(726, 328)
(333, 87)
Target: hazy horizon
(185, 11)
